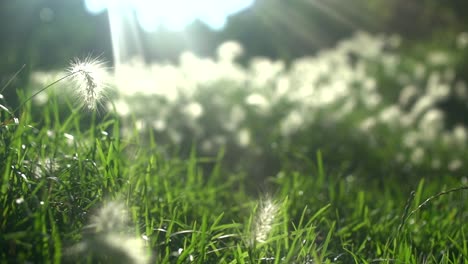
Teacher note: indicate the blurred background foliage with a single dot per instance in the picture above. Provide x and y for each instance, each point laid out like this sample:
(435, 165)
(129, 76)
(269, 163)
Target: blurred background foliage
(46, 34)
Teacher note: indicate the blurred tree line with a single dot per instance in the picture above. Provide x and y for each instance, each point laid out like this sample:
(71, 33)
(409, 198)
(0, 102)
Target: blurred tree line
(45, 34)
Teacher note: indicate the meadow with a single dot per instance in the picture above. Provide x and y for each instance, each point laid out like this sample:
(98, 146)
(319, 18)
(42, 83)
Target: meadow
(353, 155)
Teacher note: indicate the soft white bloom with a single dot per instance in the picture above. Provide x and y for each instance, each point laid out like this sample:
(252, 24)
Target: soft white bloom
(264, 71)
(417, 156)
(390, 115)
(120, 248)
(462, 40)
(236, 117)
(438, 58)
(122, 108)
(394, 41)
(432, 120)
(243, 137)
(258, 100)
(460, 90)
(367, 124)
(460, 135)
(431, 124)
(455, 165)
(419, 71)
(293, 122)
(436, 164)
(91, 79)
(194, 110)
(229, 50)
(372, 100)
(109, 240)
(140, 124)
(159, 124)
(110, 217)
(264, 221)
(411, 139)
(408, 94)
(422, 104)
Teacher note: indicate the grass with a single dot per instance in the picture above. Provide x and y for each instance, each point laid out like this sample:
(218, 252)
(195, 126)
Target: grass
(73, 191)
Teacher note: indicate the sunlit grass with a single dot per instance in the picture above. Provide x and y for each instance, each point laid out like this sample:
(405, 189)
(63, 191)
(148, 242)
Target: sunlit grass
(84, 195)
(86, 187)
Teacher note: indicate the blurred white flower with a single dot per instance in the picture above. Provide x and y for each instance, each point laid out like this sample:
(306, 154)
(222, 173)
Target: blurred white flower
(293, 121)
(455, 165)
(159, 125)
(194, 110)
(390, 115)
(367, 124)
(258, 100)
(229, 50)
(438, 58)
(417, 156)
(462, 40)
(431, 125)
(422, 104)
(264, 71)
(433, 120)
(460, 90)
(122, 108)
(411, 139)
(460, 135)
(408, 94)
(243, 137)
(108, 240)
(436, 164)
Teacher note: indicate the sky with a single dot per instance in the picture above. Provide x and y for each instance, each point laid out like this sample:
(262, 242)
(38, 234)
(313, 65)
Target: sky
(174, 15)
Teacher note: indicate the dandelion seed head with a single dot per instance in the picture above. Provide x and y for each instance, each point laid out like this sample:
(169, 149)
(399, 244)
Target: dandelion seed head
(90, 78)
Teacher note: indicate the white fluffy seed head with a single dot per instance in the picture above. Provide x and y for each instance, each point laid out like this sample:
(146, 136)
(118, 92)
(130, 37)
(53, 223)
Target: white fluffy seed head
(264, 221)
(111, 241)
(111, 217)
(91, 79)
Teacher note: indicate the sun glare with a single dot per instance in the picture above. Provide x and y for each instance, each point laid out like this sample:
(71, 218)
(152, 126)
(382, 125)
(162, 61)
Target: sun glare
(175, 14)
